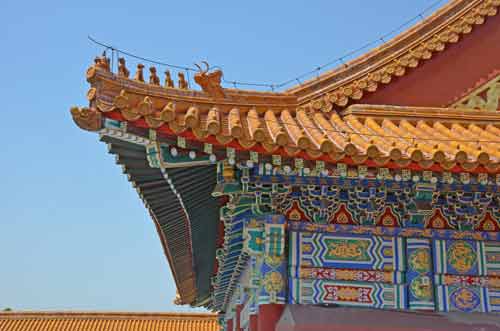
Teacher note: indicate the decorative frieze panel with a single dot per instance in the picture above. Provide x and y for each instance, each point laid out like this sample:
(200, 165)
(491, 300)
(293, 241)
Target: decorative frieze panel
(370, 295)
(391, 231)
(379, 276)
(345, 269)
(392, 272)
(436, 204)
(466, 280)
(417, 242)
(346, 251)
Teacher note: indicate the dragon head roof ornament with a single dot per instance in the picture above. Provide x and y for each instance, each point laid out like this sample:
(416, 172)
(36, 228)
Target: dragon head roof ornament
(210, 82)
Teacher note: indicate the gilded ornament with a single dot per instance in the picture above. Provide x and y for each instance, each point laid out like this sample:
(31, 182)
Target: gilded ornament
(102, 62)
(139, 74)
(332, 97)
(153, 121)
(386, 78)
(317, 104)
(357, 94)
(91, 94)
(153, 77)
(421, 288)
(121, 100)
(348, 293)
(342, 100)
(168, 112)
(347, 249)
(420, 260)
(465, 299)
(273, 260)
(210, 82)
(327, 106)
(131, 114)
(361, 84)
(192, 117)
(273, 282)
(347, 91)
(461, 256)
(372, 86)
(87, 118)
(90, 73)
(145, 107)
(122, 68)
(182, 83)
(168, 80)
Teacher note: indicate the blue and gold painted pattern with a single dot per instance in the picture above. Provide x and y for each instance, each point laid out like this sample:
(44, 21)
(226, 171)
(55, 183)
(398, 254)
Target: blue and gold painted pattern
(384, 242)
(273, 287)
(346, 251)
(464, 299)
(391, 231)
(459, 257)
(409, 200)
(419, 274)
(443, 274)
(369, 295)
(264, 241)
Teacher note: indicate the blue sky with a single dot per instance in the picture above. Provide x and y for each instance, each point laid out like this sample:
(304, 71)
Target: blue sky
(73, 232)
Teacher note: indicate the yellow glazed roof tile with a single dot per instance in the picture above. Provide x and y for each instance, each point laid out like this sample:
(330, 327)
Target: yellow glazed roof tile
(77, 321)
(447, 136)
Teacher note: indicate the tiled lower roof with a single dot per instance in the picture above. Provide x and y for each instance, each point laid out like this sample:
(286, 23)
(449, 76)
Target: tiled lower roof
(97, 321)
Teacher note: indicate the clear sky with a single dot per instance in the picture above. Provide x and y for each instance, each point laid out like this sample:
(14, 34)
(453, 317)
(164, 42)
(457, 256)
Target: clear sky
(73, 232)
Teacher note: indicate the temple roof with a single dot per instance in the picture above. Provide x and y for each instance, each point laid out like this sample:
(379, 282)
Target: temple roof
(421, 101)
(106, 321)
(326, 127)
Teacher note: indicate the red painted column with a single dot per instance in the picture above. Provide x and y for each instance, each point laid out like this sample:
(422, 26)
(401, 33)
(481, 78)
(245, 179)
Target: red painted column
(229, 325)
(238, 318)
(268, 316)
(254, 323)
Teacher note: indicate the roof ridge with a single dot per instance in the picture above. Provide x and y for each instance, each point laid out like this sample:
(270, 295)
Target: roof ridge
(405, 51)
